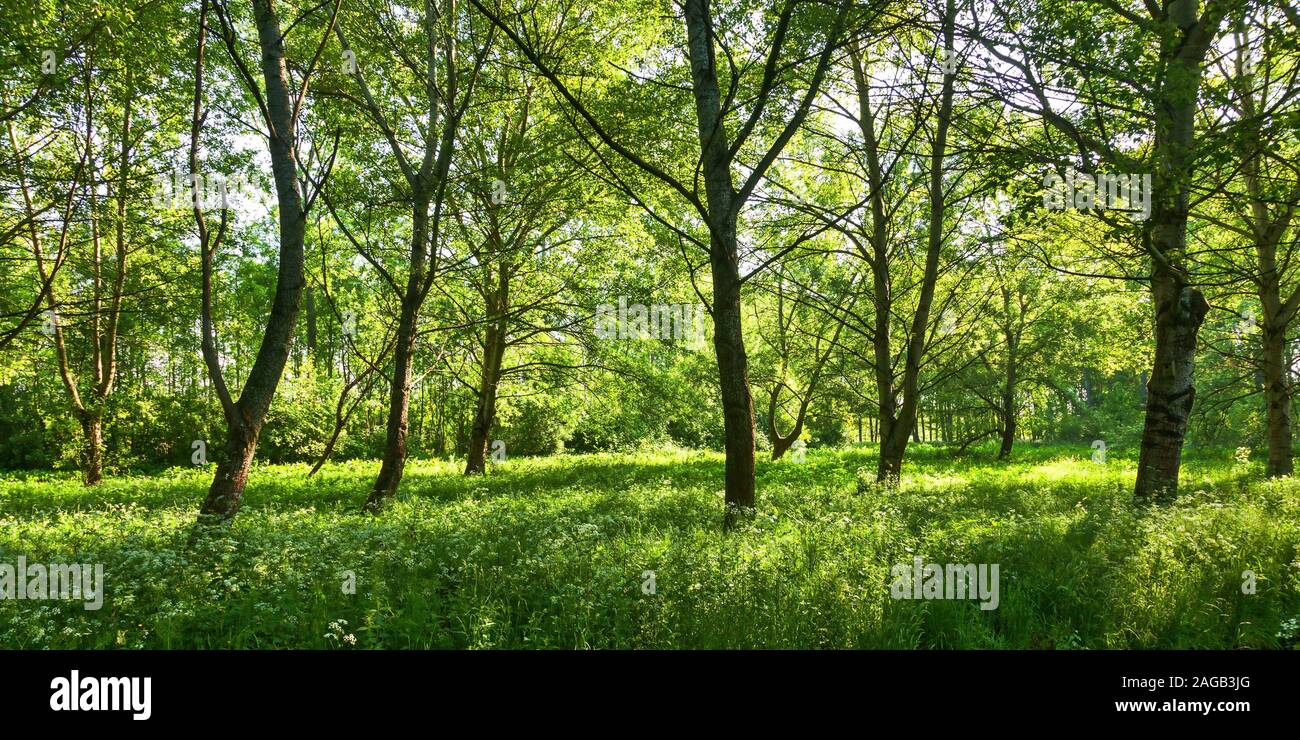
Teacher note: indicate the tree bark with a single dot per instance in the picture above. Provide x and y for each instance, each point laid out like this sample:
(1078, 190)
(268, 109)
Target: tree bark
(1007, 412)
(898, 402)
(733, 379)
(1008, 433)
(728, 338)
(92, 451)
(485, 410)
(227, 489)
(1180, 308)
(428, 187)
(782, 443)
(393, 465)
(1277, 390)
(1170, 391)
(893, 445)
(244, 418)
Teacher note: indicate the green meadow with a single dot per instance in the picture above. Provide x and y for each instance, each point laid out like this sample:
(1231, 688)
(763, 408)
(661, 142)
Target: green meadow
(618, 551)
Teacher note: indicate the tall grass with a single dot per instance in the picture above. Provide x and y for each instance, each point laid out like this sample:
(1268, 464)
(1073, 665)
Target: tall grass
(554, 553)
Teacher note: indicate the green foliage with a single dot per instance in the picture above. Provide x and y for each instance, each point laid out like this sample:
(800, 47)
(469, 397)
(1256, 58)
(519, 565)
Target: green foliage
(550, 553)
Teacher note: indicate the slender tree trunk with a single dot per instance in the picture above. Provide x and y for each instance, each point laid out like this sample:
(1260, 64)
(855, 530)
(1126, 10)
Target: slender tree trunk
(898, 421)
(428, 183)
(399, 403)
(1277, 391)
(782, 443)
(494, 350)
(1008, 410)
(244, 418)
(728, 338)
(399, 397)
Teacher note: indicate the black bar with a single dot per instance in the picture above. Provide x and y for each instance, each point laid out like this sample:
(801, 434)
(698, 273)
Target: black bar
(972, 689)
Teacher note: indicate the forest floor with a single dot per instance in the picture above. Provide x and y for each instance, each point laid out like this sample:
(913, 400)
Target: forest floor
(627, 551)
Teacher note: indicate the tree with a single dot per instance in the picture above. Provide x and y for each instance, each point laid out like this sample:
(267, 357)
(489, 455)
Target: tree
(435, 89)
(1041, 61)
(783, 58)
(280, 110)
(1253, 195)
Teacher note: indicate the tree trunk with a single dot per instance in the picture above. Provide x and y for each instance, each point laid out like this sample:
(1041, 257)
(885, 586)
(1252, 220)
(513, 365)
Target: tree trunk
(244, 417)
(1180, 308)
(1008, 434)
(893, 445)
(494, 347)
(728, 340)
(399, 404)
(399, 396)
(1170, 392)
(227, 489)
(1277, 390)
(1008, 410)
(92, 451)
(733, 379)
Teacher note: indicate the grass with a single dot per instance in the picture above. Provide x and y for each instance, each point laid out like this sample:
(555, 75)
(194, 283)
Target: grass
(553, 553)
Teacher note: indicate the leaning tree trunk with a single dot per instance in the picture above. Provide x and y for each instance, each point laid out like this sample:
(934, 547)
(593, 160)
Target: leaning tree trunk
(1277, 392)
(1180, 310)
(244, 418)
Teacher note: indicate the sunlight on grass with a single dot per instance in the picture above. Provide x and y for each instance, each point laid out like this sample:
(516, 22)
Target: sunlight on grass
(554, 552)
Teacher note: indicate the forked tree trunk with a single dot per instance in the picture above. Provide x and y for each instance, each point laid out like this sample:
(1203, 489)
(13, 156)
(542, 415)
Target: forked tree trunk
(427, 185)
(724, 202)
(244, 418)
(898, 421)
(782, 443)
